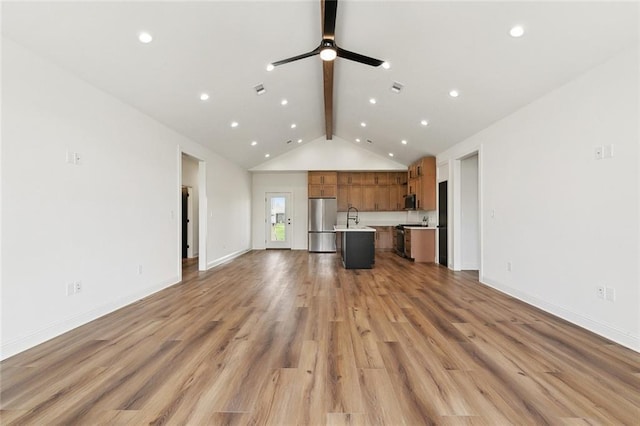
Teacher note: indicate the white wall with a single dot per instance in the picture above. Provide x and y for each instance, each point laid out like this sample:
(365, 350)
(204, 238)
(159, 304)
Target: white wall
(190, 178)
(335, 154)
(98, 221)
(566, 221)
(469, 218)
(296, 184)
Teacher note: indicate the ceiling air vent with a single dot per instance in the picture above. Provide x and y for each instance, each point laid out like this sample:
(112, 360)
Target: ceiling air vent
(396, 87)
(260, 90)
(289, 141)
(369, 141)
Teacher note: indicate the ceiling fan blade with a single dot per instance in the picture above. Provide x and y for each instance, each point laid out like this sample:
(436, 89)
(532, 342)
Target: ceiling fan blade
(327, 75)
(330, 8)
(353, 56)
(295, 58)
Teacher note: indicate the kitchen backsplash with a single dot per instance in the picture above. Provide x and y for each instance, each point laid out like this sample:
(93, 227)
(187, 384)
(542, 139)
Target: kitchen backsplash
(391, 218)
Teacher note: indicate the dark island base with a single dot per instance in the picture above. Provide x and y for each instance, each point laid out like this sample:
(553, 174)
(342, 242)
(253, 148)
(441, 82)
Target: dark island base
(358, 250)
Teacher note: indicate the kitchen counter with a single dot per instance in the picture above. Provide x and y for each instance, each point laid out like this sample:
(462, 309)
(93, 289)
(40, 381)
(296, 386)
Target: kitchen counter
(420, 227)
(356, 228)
(358, 246)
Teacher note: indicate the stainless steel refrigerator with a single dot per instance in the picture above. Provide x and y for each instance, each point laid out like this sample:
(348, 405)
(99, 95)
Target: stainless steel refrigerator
(323, 213)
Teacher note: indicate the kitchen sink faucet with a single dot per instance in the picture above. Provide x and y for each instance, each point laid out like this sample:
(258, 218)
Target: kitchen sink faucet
(354, 218)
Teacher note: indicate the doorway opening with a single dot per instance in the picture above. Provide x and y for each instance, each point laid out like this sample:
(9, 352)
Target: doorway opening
(469, 214)
(443, 246)
(465, 213)
(187, 223)
(192, 226)
(278, 220)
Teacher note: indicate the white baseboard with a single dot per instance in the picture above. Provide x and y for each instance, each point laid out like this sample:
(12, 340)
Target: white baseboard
(226, 258)
(619, 336)
(56, 329)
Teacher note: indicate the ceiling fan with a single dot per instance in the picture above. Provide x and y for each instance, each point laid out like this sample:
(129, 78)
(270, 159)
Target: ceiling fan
(328, 51)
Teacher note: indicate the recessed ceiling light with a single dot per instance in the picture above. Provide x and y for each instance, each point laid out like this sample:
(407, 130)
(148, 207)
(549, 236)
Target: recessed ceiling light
(234, 124)
(372, 101)
(204, 96)
(424, 122)
(403, 141)
(386, 65)
(267, 156)
(145, 37)
(357, 139)
(363, 124)
(284, 102)
(391, 154)
(254, 143)
(299, 140)
(293, 126)
(454, 93)
(270, 67)
(516, 31)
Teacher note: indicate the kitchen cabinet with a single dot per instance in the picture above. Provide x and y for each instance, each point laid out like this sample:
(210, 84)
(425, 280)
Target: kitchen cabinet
(420, 244)
(358, 248)
(384, 237)
(368, 198)
(323, 184)
(375, 178)
(349, 178)
(396, 197)
(371, 191)
(382, 198)
(398, 178)
(422, 183)
(349, 196)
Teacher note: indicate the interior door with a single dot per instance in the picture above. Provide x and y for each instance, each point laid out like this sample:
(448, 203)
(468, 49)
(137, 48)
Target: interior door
(278, 220)
(442, 223)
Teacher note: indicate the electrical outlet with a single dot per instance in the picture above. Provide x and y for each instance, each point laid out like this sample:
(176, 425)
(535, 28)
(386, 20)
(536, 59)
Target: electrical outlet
(71, 289)
(600, 292)
(610, 294)
(77, 286)
(598, 152)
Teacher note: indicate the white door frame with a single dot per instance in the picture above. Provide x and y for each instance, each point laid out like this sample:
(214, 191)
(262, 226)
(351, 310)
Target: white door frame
(287, 243)
(454, 212)
(202, 211)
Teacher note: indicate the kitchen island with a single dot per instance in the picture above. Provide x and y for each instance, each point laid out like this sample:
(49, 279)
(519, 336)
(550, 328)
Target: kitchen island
(357, 246)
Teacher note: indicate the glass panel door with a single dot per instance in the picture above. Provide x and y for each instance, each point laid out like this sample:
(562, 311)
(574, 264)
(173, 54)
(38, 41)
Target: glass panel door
(278, 221)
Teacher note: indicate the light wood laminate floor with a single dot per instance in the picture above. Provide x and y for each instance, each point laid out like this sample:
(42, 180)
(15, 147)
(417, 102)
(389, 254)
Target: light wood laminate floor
(288, 337)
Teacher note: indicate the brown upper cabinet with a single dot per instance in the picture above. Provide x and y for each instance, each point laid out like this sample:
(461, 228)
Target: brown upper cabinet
(323, 184)
(375, 178)
(372, 191)
(422, 183)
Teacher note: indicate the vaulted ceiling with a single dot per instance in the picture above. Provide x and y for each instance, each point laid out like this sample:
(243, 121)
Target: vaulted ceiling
(222, 49)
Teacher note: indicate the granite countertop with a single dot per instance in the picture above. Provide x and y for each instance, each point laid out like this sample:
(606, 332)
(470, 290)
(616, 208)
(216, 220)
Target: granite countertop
(357, 228)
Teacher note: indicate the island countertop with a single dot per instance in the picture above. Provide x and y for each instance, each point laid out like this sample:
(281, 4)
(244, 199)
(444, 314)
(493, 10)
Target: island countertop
(357, 228)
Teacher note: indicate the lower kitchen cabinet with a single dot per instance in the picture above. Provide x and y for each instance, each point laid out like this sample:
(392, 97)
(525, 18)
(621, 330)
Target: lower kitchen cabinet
(384, 237)
(420, 244)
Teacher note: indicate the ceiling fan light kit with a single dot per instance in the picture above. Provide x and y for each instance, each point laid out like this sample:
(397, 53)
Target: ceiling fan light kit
(329, 51)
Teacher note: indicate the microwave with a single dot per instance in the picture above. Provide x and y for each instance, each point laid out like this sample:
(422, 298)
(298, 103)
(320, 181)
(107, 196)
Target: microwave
(410, 202)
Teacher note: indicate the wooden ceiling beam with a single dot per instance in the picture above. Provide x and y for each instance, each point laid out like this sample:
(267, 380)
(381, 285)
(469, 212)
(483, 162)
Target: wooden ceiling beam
(327, 74)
